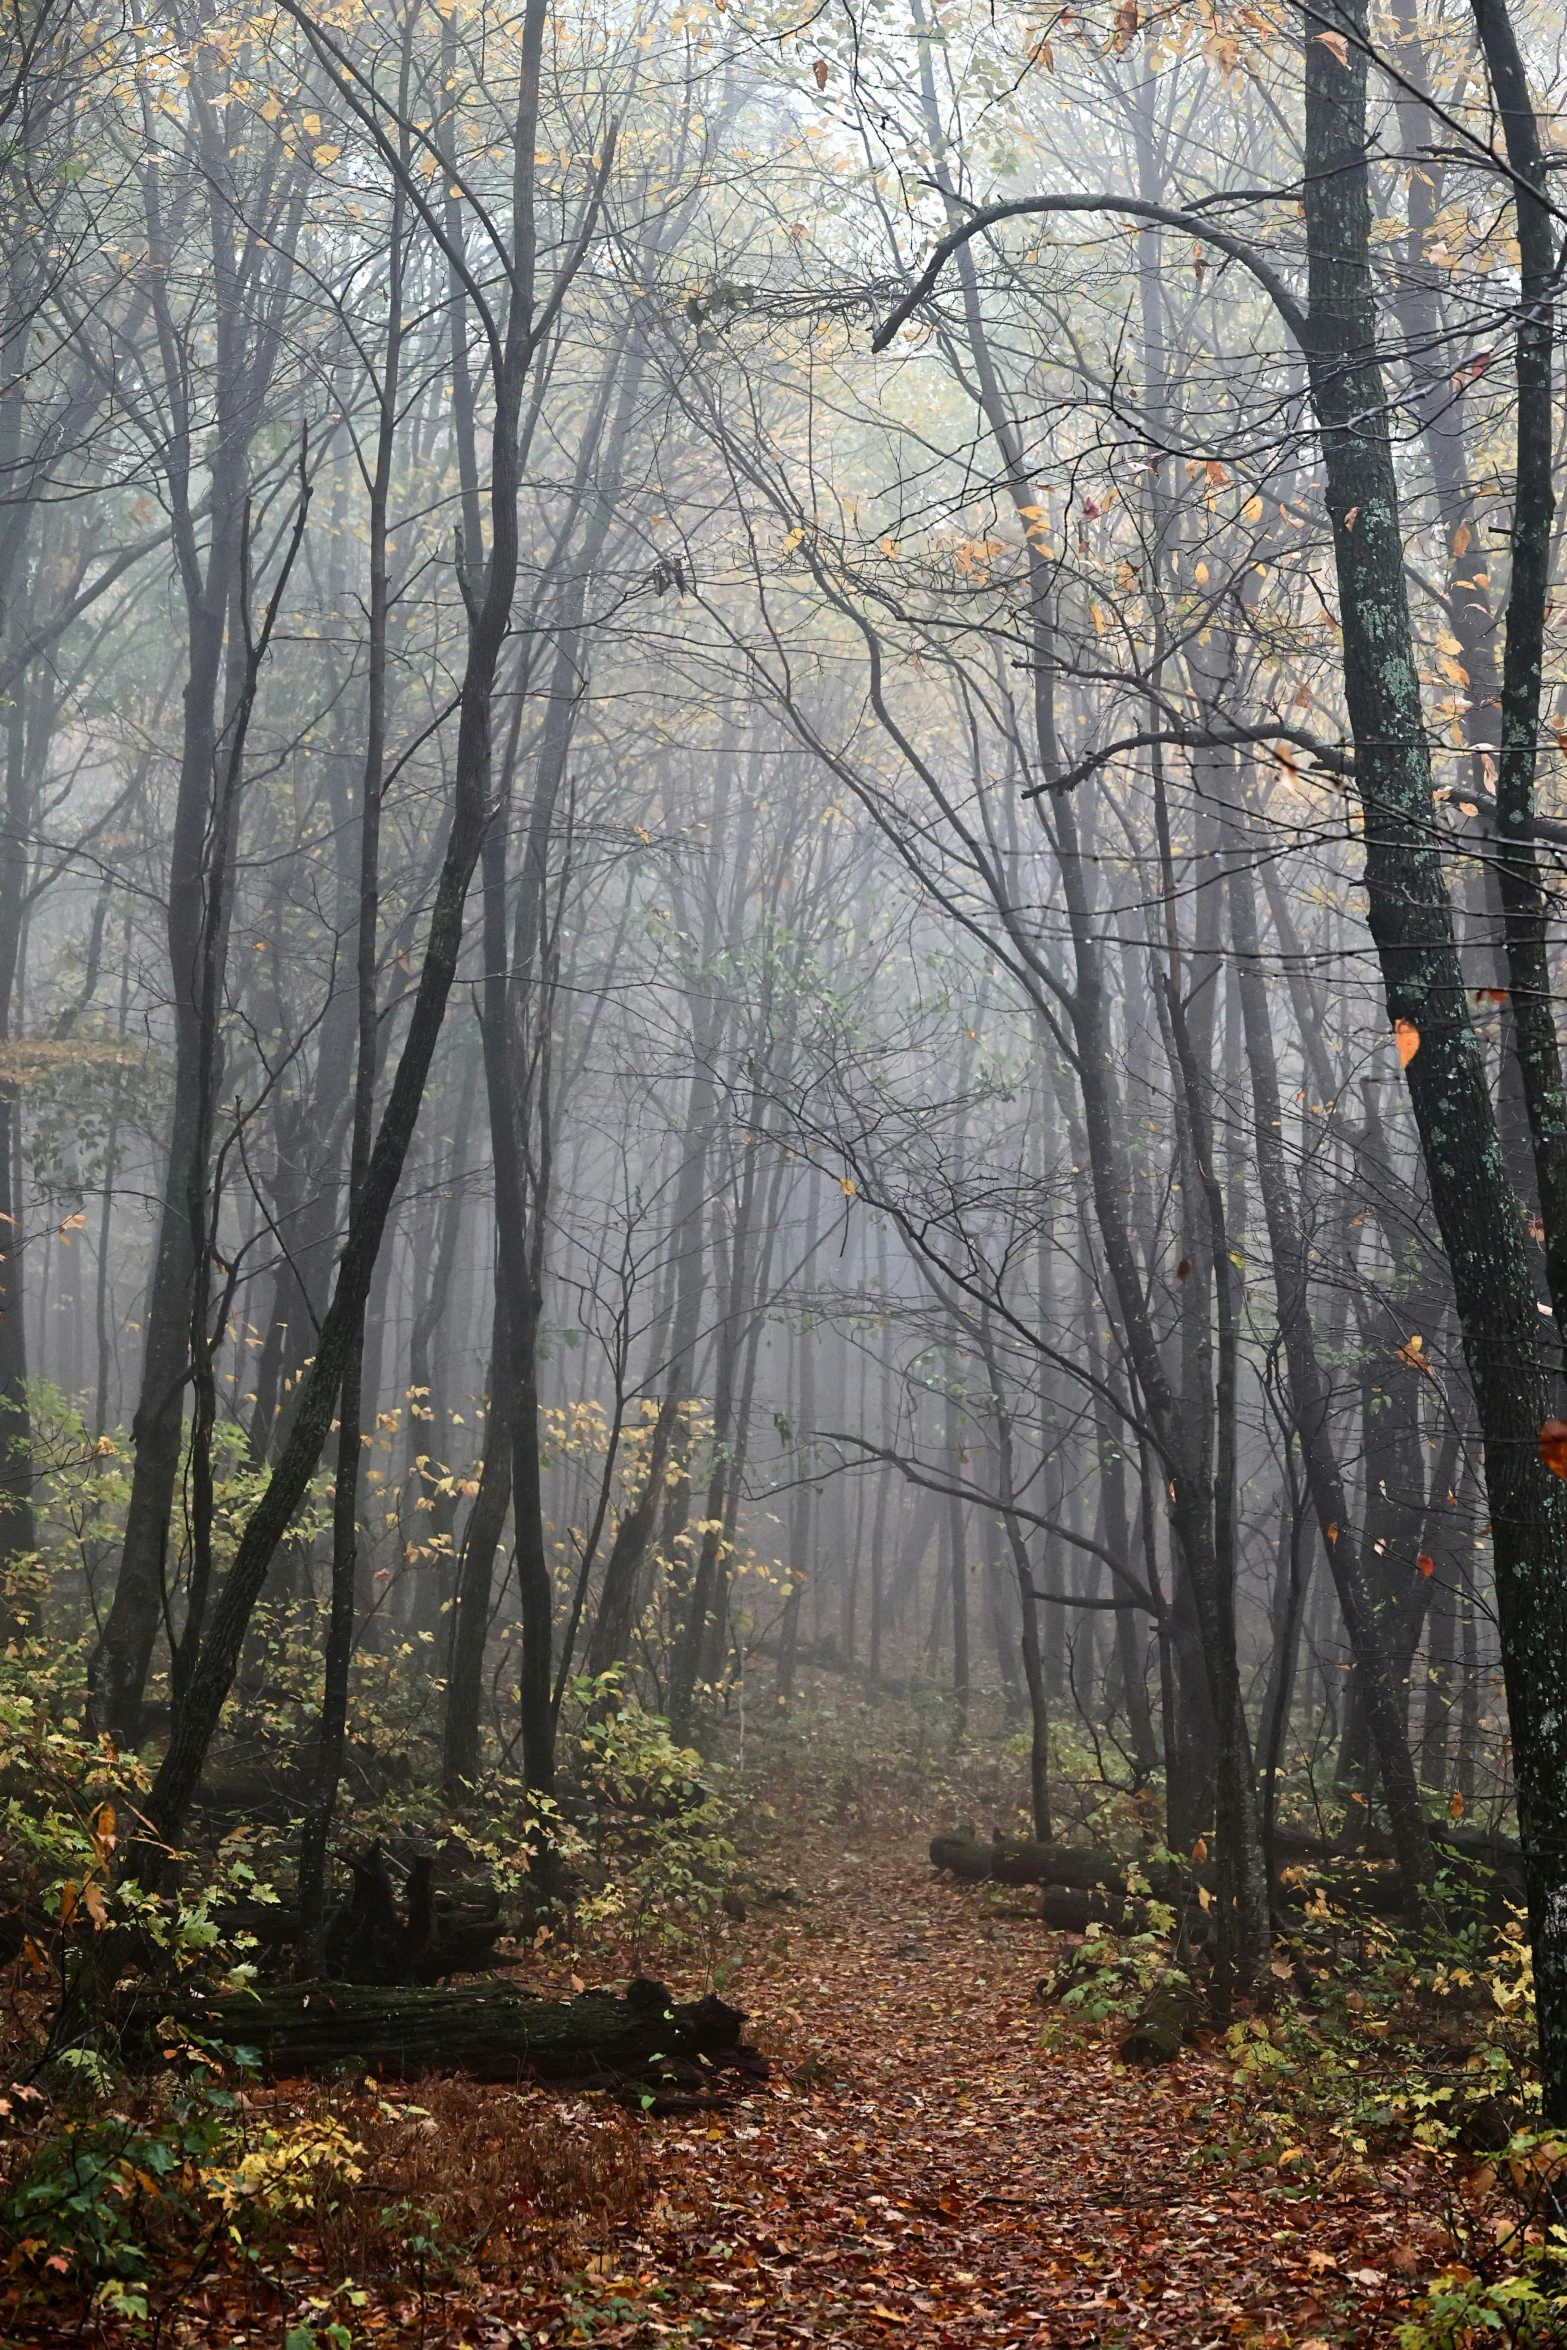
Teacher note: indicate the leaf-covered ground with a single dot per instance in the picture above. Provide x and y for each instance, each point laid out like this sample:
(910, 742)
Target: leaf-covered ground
(919, 2170)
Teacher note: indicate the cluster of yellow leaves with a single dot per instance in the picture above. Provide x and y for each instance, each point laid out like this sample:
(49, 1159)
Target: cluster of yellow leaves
(287, 2170)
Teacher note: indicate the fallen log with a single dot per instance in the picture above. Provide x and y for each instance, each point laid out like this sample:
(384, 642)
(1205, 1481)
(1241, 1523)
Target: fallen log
(1167, 2019)
(1025, 1862)
(1478, 1844)
(1359, 1874)
(1369, 1886)
(488, 2030)
(1072, 1909)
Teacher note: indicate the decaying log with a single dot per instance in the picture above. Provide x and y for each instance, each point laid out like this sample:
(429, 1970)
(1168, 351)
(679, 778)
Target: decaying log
(1072, 1909)
(1024, 1862)
(1358, 1874)
(1167, 2019)
(488, 2030)
(1362, 1886)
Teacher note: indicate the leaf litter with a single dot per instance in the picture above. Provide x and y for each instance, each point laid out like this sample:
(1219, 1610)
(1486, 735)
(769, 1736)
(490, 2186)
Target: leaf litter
(931, 2162)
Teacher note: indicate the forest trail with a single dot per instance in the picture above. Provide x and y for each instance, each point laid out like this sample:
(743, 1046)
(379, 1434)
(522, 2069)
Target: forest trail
(920, 2171)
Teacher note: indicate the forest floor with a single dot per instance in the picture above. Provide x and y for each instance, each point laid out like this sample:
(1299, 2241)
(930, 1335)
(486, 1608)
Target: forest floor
(921, 2168)
(921, 2171)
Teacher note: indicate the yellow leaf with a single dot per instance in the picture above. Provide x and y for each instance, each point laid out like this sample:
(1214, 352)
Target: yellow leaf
(1462, 537)
(1098, 619)
(1252, 510)
(846, 1185)
(326, 154)
(1201, 575)
(1407, 1038)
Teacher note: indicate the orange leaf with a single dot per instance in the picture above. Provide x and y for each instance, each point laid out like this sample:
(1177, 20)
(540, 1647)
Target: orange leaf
(1349, 519)
(1455, 1806)
(1426, 1563)
(1462, 537)
(1552, 1441)
(1407, 1038)
(1338, 45)
(820, 71)
(1490, 995)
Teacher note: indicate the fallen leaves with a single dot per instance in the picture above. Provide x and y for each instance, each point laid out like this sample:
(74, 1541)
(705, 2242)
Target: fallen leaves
(921, 2169)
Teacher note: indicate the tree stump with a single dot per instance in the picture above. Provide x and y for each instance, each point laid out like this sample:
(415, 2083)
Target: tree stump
(1167, 2020)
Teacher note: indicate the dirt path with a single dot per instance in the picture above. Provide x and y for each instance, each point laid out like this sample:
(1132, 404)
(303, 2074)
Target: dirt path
(921, 2172)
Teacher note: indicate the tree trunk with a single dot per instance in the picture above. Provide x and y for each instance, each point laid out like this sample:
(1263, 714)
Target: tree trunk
(1411, 922)
(475, 1579)
(1311, 1394)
